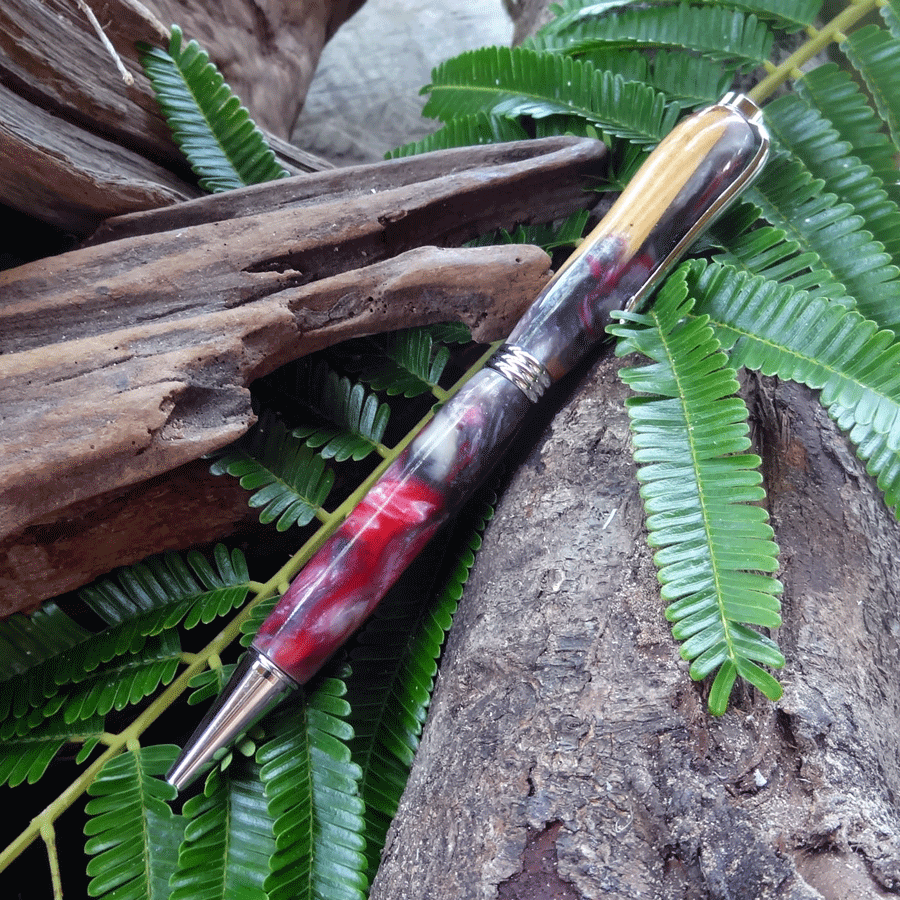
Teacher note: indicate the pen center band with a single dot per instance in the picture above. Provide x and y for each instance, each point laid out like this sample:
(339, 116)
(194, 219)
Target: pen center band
(522, 369)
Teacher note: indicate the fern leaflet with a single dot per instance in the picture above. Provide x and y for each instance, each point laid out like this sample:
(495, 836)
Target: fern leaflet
(359, 420)
(289, 480)
(311, 787)
(782, 332)
(227, 841)
(132, 833)
(216, 134)
(697, 486)
(516, 81)
(874, 54)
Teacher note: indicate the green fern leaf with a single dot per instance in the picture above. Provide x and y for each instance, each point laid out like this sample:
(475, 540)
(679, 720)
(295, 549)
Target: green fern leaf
(890, 12)
(408, 363)
(875, 54)
(223, 146)
(26, 641)
(27, 758)
(811, 138)
(506, 81)
(465, 131)
(838, 98)
(768, 252)
(782, 332)
(698, 486)
(138, 602)
(358, 417)
(290, 482)
(394, 664)
(718, 33)
(795, 203)
(132, 833)
(786, 15)
(227, 841)
(312, 792)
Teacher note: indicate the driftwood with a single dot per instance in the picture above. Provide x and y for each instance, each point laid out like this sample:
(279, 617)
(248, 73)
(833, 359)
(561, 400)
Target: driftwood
(77, 144)
(567, 753)
(132, 356)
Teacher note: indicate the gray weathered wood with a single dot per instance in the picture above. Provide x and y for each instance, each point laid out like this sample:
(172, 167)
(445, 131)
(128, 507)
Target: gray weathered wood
(567, 753)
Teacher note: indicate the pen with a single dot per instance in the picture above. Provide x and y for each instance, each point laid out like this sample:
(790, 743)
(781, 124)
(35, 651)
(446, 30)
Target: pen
(695, 173)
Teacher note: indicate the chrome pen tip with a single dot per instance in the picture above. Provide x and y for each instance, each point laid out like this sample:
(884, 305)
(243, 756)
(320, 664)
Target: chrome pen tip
(257, 684)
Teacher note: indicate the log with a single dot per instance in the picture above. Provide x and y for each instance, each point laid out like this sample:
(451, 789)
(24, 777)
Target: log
(567, 753)
(135, 353)
(77, 144)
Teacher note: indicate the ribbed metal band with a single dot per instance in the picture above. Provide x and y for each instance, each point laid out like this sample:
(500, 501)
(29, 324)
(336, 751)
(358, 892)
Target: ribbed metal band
(522, 369)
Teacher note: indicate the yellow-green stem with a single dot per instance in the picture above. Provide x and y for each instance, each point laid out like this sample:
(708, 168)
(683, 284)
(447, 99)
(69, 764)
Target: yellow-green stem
(833, 31)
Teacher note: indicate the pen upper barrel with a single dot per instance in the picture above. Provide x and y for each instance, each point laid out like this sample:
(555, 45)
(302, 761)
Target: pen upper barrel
(689, 179)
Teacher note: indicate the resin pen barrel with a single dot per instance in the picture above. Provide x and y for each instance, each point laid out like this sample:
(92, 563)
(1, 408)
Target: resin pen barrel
(691, 177)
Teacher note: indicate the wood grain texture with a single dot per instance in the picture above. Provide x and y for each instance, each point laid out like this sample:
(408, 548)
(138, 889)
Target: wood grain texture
(132, 356)
(77, 144)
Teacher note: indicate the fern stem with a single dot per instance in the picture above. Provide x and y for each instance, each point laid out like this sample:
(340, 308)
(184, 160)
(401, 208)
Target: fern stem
(835, 30)
(48, 834)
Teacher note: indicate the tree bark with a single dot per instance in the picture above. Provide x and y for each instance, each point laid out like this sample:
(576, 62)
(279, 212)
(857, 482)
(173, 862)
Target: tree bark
(567, 754)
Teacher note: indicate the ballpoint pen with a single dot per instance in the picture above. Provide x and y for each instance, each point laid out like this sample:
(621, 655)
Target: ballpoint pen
(687, 181)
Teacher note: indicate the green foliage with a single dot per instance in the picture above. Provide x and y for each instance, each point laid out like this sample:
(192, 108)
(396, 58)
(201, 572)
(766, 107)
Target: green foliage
(225, 149)
(132, 833)
(289, 480)
(227, 841)
(311, 787)
(699, 487)
(358, 419)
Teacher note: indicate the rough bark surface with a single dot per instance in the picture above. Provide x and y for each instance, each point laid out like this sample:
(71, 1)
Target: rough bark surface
(567, 754)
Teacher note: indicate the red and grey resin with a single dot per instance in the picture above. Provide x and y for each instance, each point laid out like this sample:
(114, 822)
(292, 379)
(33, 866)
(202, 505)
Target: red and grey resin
(345, 580)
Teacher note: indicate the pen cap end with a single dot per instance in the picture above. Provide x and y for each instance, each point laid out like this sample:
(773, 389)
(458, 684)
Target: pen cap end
(257, 684)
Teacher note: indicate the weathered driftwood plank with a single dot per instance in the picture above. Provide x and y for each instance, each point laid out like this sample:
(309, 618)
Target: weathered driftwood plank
(131, 357)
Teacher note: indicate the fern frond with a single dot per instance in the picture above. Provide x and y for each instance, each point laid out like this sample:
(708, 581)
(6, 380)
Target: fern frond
(26, 758)
(838, 98)
(813, 140)
(721, 34)
(768, 252)
(795, 203)
(227, 841)
(890, 12)
(216, 134)
(289, 480)
(172, 588)
(408, 363)
(358, 418)
(875, 54)
(698, 486)
(689, 81)
(465, 131)
(394, 664)
(786, 15)
(516, 81)
(770, 327)
(132, 833)
(26, 641)
(313, 799)
(136, 602)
